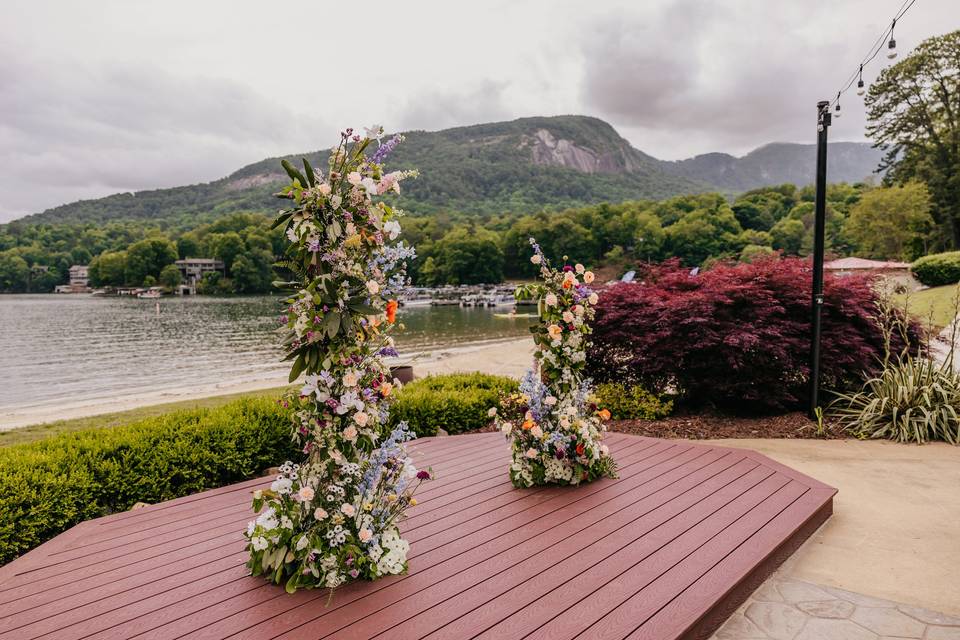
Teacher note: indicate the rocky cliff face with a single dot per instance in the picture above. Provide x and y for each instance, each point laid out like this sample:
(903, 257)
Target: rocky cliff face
(547, 149)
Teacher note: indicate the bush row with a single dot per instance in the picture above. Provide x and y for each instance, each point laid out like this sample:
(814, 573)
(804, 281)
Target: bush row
(456, 402)
(938, 269)
(56, 483)
(626, 402)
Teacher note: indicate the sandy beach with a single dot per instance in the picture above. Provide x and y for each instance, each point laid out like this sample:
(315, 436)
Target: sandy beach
(509, 358)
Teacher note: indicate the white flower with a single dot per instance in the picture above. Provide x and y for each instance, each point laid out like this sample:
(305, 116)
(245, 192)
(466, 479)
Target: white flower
(588, 277)
(593, 298)
(335, 201)
(286, 522)
(257, 494)
(369, 185)
(373, 287)
(348, 510)
(306, 494)
(531, 453)
(550, 401)
(536, 431)
(491, 412)
(567, 317)
(550, 300)
(259, 543)
(361, 418)
(536, 259)
(351, 378)
(564, 422)
(350, 433)
(392, 228)
(578, 309)
(578, 267)
(365, 534)
(354, 178)
(506, 428)
(374, 132)
(281, 485)
(319, 513)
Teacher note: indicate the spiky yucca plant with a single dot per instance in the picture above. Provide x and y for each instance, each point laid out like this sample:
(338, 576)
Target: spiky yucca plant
(913, 399)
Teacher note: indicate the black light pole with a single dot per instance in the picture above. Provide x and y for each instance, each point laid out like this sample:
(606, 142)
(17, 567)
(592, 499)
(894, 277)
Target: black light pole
(823, 123)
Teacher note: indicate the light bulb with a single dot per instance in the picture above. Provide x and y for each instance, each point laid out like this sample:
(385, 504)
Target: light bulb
(892, 49)
(836, 110)
(860, 89)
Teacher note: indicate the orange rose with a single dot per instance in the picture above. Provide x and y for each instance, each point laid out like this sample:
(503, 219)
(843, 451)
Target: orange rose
(392, 311)
(567, 284)
(580, 449)
(528, 424)
(604, 414)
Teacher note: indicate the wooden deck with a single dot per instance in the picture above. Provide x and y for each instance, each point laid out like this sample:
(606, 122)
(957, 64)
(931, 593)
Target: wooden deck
(666, 551)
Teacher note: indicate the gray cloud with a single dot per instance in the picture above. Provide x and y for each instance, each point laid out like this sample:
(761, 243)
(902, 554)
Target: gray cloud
(440, 108)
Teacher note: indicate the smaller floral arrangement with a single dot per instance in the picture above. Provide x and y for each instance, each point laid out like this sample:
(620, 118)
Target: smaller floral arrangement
(555, 429)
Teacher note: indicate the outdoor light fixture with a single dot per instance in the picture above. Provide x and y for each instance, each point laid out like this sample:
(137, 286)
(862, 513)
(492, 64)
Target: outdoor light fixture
(892, 45)
(837, 108)
(860, 89)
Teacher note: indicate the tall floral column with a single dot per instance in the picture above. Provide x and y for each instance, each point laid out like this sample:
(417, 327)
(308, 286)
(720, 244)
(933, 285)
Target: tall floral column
(333, 516)
(556, 431)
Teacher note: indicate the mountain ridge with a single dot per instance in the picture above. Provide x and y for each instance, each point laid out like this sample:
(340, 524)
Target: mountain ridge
(522, 165)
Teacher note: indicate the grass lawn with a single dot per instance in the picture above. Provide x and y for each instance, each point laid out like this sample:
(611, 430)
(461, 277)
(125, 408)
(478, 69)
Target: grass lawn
(936, 303)
(40, 431)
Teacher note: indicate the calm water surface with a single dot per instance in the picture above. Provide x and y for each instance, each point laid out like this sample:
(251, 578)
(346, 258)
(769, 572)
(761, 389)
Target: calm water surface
(69, 348)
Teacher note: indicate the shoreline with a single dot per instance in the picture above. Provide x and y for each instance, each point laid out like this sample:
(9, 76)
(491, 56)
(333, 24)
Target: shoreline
(509, 357)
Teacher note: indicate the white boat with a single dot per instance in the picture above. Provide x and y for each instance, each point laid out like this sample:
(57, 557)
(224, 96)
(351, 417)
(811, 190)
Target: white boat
(150, 294)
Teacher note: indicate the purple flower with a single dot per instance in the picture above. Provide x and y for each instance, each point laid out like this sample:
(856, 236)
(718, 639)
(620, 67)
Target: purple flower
(313, 246)
(388, 352)
(423, 474)
(386, 148)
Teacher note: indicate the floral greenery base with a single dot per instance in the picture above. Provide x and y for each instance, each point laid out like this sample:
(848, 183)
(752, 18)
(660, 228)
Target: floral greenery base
(555, 429)
(334, 517)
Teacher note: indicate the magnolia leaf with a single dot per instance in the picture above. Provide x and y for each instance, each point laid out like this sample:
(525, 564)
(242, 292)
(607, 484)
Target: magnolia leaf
(311, 178)
(293, 173)
(297, 368)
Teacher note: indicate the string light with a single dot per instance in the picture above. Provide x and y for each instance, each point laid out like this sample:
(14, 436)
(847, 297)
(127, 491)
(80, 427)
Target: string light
(892, 45)
(837, 108)
(874, 51)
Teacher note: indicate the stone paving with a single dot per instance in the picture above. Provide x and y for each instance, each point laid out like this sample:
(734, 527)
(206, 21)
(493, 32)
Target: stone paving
(787, 609)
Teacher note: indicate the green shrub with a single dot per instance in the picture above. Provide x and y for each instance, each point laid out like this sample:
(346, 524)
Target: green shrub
(631, 402)
(938, 269)
(914, 399)
(53, 484)
(455, 403)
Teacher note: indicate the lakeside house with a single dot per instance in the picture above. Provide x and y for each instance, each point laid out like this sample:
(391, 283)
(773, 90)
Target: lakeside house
(79, 280)
(192, 271)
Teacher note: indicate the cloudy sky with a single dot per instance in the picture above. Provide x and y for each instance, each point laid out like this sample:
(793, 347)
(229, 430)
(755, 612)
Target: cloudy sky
(103, 96)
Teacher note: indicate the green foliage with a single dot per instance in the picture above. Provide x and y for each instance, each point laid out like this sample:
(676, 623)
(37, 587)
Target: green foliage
(456, 402)
(938, 269)
(631, 402)
(466, 256)
(170, 276)
(14, 272)
(61, 481)
(148, 257)
(892, 223)
(912, 400)
(914, 115)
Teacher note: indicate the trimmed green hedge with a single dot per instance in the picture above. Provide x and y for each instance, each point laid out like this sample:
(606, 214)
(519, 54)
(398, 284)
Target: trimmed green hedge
(456, 402)
(938, 269)
(631, 402)
(53, 484)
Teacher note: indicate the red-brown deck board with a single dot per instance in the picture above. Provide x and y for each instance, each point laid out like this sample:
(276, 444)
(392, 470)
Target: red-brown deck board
(665, 551)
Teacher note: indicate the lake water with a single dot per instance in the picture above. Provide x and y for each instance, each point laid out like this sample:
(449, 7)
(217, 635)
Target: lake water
(60, 350)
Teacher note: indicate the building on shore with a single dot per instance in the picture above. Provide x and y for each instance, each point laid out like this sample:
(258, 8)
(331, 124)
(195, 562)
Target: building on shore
(79, 280)
(192, 271)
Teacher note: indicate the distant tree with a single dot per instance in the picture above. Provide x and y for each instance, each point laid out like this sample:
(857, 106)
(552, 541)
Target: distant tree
(108, 269)
(702, 234)
(188, 247)
(649, 237)
(226, 247)
(149, 281)
(753, 252)
(147, 258)
(14, 273)
(788, 236)
(913, 112)
(252, 273)
(892, 223)
(469, 256)
(170, 276)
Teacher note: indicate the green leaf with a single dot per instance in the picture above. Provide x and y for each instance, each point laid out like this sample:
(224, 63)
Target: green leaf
(292, 172)
(364, 309)
(331, 323)
(311, 178)
(282, 218)
(297, 369)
